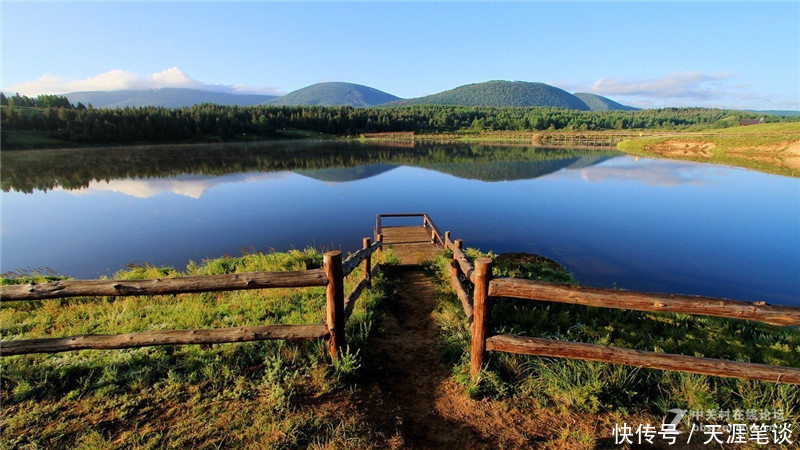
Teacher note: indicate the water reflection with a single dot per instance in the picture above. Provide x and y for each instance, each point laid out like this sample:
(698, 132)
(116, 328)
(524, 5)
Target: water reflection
(192, 186)
(652, 225)
(650, 172)
(44, 170)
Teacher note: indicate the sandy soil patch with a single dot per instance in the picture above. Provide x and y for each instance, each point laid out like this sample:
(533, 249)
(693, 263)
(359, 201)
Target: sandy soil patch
(683, 149)
(785, 154)
(791, 156)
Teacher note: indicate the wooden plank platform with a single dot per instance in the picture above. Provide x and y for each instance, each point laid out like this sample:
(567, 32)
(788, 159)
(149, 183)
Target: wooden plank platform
(412, 245)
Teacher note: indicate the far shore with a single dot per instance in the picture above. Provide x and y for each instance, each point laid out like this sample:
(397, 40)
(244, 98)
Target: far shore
(770, 147)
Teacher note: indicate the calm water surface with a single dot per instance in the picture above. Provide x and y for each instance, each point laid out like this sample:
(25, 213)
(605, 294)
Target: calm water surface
(613, 220)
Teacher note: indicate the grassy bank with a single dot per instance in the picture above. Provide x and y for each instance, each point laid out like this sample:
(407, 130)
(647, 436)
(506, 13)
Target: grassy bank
(33, 139)
(259, 394)
(597, 395)
(275, 394)
(771, 147)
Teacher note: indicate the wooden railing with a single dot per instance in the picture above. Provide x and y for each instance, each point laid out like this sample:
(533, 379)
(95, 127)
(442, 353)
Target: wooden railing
(331, 275)
(487, 290)
(339, 308)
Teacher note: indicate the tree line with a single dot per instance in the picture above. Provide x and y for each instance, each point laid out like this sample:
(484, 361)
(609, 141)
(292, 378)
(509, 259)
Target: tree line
(41, 101)
(57, 118)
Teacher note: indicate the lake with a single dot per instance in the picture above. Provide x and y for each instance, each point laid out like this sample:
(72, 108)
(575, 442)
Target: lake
(611, 219)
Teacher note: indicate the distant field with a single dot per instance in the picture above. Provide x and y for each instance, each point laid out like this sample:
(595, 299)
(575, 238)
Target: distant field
(21, 139)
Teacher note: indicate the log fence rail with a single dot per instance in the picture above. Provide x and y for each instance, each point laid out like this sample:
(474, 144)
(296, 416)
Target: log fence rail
(487, 290)
(331, 276)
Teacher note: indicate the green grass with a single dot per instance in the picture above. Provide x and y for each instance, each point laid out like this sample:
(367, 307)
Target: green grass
(18, 139)
(787, 127)
(32, 139)
(580, 387)
(262, 394)
(275, 394)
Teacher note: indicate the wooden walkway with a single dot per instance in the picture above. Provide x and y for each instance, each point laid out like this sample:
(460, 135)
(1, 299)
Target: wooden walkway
(412, 245)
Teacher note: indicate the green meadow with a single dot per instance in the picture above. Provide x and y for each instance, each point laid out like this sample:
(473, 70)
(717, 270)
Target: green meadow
(227, 395)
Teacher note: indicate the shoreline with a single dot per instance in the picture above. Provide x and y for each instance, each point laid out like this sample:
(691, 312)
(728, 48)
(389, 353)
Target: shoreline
(771, 148)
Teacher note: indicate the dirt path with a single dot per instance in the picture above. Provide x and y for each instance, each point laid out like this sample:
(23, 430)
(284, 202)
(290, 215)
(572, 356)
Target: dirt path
(412, 395)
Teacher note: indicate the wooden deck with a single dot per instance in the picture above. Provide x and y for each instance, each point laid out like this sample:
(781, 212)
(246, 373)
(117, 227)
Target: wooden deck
(411, 245)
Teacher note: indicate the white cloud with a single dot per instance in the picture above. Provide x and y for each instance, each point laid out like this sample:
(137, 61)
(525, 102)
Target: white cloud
(119, 79)
(691, 88)
(693, 85)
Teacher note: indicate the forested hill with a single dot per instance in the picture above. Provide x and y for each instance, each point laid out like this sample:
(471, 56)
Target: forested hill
(599, 103)
(166, 97)
(335, 94)
(501, 94)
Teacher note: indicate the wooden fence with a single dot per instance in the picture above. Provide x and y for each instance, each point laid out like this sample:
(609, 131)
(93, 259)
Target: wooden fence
(331, 275)
(487, 290)
(477, 309)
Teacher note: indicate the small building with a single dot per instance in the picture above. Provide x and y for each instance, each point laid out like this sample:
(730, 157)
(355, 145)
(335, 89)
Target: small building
(745, 122)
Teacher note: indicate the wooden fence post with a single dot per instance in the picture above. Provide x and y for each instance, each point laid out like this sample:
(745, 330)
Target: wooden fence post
(457, 244)
(446, 239)
(368, 261)
(433, 236)
(380, 239)
(454, 268)
(480, 322)
(335, 301)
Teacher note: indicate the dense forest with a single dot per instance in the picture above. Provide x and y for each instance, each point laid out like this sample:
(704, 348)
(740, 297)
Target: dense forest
(56, 118)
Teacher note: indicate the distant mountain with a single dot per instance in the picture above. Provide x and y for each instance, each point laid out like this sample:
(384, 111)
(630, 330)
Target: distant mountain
(600, 103)
(778, 112)
(500, 94)
(166, 97)
(335, 94)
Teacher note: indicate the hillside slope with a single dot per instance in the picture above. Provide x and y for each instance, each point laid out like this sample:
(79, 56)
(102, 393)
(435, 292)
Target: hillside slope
(335, 94)
(501, 94)
(599, 103)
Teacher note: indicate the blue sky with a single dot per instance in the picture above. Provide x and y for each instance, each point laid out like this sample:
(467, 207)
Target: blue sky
(735, 55)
